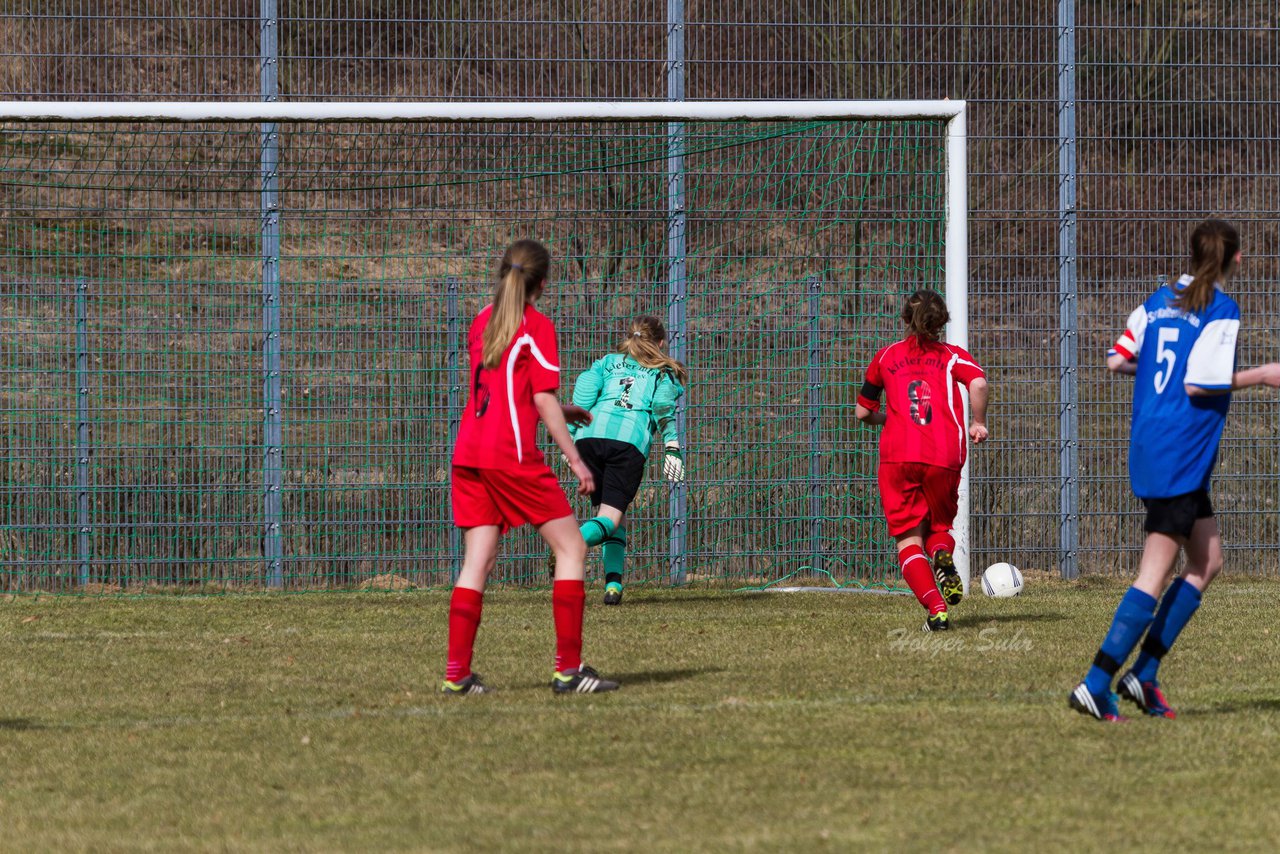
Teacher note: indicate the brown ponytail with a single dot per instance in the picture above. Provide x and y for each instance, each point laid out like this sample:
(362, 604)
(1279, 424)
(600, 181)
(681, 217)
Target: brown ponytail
(926, 315)
(1214, 246)
(522, 271)
(644, 344)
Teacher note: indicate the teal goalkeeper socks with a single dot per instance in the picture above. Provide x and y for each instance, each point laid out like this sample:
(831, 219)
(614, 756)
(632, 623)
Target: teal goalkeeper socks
(614, 555)
(596, 529)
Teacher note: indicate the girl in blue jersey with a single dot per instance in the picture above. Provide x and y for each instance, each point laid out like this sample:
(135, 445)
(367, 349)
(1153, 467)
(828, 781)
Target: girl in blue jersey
(1180, 346)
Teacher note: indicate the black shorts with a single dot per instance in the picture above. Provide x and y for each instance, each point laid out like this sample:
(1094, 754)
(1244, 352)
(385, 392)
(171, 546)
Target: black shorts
(1176, 516)
(618, 468)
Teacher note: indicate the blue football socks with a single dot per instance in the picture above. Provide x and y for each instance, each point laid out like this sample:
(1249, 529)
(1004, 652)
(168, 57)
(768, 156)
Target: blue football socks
(1180, 601)
(1133, 615)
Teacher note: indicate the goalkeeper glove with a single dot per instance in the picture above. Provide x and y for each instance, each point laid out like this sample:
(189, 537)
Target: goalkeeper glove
(673, 463)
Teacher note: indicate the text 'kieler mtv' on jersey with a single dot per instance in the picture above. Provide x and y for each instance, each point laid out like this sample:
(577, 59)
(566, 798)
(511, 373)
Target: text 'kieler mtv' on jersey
(924, 408)
(628, 402)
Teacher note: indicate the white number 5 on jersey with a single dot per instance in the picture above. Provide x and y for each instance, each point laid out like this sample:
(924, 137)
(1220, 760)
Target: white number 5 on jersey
(1168, 335)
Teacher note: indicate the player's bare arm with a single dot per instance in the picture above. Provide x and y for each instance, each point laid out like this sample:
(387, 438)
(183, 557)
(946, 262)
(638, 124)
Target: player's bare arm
(979, 394)
(1120, 364)
(1267, 375)
(574, 414)
(868, 416)
(552, 415)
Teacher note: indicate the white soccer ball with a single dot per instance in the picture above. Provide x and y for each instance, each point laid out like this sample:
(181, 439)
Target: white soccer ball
(1002, 580)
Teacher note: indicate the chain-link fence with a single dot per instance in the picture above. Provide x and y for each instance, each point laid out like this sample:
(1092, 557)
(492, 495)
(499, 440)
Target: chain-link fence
(1100, 133)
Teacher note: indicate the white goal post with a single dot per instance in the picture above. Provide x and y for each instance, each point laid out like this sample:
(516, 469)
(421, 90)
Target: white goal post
(950, 112)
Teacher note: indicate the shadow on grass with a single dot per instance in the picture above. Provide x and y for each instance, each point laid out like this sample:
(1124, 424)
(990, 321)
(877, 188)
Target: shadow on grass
(978, 622)
(1231, 707)
(678, 597)
(645, 677)
(20, 724)
(657, 677)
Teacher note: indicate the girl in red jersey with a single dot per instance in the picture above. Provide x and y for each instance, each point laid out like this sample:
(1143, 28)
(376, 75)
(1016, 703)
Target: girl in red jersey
(500, 479)
(922, 446)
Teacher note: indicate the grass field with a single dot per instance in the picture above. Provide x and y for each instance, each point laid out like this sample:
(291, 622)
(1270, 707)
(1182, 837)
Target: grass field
(747, 721)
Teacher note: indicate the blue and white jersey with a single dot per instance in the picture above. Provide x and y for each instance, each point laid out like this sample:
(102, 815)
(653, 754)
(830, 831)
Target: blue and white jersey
(1173, 438)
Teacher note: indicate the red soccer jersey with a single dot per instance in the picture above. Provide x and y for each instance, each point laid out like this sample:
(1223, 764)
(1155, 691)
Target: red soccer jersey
(499, 427)
(924, 408)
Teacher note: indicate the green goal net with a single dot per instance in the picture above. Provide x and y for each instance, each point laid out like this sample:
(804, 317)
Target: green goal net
(233, 345)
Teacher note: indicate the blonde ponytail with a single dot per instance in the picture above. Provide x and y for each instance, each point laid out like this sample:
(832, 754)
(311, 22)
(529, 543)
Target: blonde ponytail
(644, 344)
(1214, 246)
(522, 271)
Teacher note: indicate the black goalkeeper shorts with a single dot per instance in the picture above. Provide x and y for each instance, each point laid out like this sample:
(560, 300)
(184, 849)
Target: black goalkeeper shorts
(618, 468)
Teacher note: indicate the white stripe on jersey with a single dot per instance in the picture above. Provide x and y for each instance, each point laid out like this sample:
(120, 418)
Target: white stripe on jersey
(511, 394)
(1135, 329)
(1126, 345)
(949, 385)
(1212, 360)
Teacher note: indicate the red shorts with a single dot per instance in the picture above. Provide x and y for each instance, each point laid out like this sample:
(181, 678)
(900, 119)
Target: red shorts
(912, 493)
(507, 498)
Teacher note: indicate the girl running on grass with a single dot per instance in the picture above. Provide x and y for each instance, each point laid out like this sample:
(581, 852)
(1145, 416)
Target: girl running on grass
(923, 447)
(1180, 346)
(500, 479)
(631, 396)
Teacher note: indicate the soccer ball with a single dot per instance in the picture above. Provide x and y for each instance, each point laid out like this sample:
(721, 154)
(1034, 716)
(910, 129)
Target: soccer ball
(1002, 580)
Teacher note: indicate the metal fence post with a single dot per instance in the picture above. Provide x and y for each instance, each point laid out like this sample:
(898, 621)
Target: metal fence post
(1068, 302)
(677, 269)
(453, 327)
(83, 555)
(815, 424)
(272, 430)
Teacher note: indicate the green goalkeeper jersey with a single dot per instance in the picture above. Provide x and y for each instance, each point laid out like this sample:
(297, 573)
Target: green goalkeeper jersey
(627, 401)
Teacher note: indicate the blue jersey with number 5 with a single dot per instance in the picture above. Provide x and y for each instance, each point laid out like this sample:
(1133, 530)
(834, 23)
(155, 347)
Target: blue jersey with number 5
(1173, 437)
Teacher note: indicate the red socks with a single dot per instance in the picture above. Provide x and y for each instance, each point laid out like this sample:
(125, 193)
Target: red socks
(568, 598)
(918, 573)
(464, 618)
(939, 541)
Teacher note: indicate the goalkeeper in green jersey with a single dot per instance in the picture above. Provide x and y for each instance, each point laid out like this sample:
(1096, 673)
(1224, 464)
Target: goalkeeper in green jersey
(631, 396)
